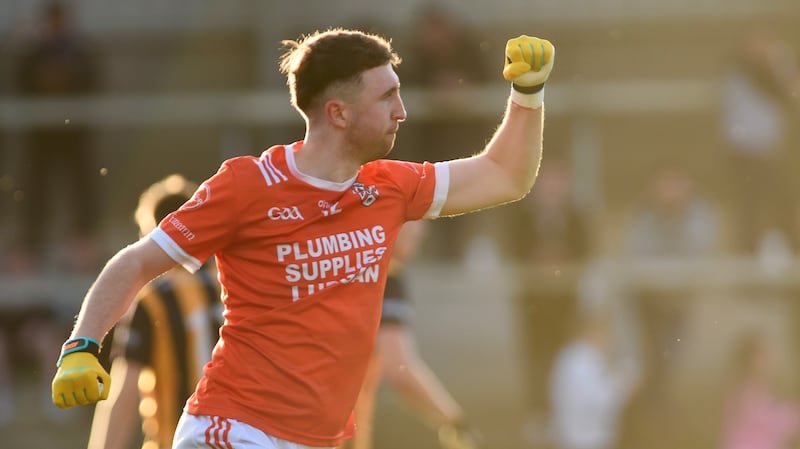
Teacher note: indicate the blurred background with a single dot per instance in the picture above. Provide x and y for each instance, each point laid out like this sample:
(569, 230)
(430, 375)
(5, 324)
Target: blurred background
(662, 236)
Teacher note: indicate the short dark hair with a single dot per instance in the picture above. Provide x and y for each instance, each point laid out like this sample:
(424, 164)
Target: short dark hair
(316, 61)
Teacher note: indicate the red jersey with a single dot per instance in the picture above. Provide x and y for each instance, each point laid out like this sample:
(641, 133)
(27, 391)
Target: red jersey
(302, 265)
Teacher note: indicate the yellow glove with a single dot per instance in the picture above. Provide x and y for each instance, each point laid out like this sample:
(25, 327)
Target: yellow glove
(529, 61)
(80, 378)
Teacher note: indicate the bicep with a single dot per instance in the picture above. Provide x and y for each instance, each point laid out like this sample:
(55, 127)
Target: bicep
(476, 183)
(153, 260)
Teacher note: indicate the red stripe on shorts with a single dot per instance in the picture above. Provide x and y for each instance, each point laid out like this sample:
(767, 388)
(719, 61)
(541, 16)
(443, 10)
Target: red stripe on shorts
(213, 429)
(225, 434)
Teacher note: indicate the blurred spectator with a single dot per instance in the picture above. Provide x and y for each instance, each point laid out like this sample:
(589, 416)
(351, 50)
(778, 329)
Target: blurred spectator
(56, 63)
(551, 240)
(555, 230)
(444, 58)
(57, 166)
(160, 346)
(756, 416)
(589, 388)
(672, 223)
(441, 59)
(442, 52)
(673, 220)
(28, 336)
(760, 88)
(397, 361)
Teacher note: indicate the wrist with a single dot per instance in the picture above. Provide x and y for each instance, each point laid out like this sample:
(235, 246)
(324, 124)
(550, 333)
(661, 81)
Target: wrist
(531, 97)
(79, 344)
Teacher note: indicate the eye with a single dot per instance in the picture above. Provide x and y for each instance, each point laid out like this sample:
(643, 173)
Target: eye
(391, 93)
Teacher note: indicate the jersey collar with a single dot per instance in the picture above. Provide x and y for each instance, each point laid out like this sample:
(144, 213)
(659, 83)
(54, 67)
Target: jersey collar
(316, 182)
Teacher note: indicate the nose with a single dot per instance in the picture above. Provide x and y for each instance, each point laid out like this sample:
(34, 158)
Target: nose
(399, 110)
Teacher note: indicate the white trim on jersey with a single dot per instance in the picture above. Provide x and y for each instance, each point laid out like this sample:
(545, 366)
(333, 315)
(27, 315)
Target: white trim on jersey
(441, 189)
(174, 250)
(316, 182)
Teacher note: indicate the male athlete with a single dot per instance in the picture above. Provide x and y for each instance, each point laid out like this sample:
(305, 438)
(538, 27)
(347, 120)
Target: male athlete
(161, 344)
(302, 237)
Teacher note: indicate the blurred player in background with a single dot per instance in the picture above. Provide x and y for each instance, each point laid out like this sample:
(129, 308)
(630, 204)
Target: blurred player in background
(396, 360)
(161, 344)
(302, 237)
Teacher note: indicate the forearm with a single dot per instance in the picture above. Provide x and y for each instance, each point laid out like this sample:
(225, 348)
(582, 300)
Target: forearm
(507, 167)
(116, 287)
(516, 147)
(505, 170)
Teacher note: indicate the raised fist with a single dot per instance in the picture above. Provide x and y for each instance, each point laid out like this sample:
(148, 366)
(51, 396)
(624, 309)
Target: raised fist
(529, 61)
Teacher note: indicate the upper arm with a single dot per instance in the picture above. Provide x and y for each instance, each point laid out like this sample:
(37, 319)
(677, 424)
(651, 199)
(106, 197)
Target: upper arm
(152, 259)
(209, 221)
(504, 171)
(117, 285)
(476, 183)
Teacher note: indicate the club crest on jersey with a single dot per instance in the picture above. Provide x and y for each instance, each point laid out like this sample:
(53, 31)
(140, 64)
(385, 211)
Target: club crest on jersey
(368, 195)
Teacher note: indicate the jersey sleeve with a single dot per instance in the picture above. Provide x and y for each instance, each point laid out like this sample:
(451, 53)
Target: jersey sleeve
(204, 224)
(425, 186)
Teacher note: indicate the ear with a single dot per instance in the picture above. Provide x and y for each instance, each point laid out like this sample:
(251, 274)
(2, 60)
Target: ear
(337, 113)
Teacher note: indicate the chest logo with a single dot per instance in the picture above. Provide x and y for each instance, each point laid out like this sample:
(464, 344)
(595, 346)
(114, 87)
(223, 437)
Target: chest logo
(329, 209)
(285, 213)
(368, 195)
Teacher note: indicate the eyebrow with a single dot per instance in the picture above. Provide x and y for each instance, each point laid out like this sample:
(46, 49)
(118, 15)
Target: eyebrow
(391, 90)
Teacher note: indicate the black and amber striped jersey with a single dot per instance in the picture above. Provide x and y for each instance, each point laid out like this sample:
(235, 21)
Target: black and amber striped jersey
(397, 308)
(171, 333)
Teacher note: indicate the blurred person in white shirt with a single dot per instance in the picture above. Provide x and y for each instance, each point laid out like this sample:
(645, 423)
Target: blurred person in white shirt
(759, 103)
(589, 389)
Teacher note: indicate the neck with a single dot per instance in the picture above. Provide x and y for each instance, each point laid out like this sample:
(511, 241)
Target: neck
(326, 157)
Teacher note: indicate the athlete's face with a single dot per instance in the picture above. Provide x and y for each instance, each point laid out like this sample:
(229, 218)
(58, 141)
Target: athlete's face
(377, 113)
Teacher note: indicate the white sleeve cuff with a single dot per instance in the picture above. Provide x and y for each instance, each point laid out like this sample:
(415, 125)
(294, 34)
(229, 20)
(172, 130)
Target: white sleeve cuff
(173, 250)
(531, 101)
(441, 189)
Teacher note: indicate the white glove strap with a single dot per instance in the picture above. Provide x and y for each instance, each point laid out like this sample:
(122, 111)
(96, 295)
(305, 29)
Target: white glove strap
(531, 101)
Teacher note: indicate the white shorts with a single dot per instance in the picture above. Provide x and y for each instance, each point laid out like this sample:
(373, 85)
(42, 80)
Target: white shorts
(214, 432)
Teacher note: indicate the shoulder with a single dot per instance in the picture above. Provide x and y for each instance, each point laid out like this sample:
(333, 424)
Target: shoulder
(391, 165)
(391, 170)
(269, 166)
(253, 159)
(240, 164)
